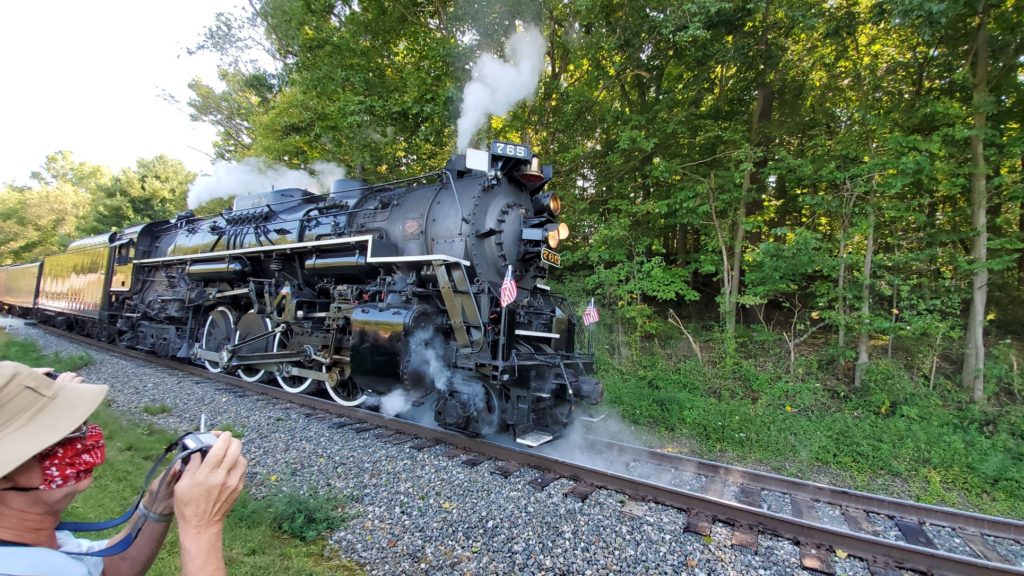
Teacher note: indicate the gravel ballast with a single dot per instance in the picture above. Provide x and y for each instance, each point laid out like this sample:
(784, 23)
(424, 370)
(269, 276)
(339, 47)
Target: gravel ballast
(419, 512)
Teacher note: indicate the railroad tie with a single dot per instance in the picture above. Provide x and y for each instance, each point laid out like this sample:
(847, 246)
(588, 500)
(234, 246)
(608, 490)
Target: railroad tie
(858, 521)
(744, 535)
(714, 487)
(812, 556)
(914, 534)
(542, 481)
(400, 439)
(507, 469)
(981, 547)
(699, 522)
(878, 567)
(423, 445)
(581, 491)
(474, 461)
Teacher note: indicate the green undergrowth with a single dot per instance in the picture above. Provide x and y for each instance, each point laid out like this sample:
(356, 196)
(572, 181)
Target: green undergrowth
(280, 533)
(892, 434)
(29, 353)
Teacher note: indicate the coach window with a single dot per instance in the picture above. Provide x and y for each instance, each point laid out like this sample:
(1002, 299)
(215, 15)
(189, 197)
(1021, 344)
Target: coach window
(124, 253)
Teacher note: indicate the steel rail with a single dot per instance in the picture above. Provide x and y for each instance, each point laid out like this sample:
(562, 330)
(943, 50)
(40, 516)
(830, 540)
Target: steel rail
(991, 525)
(864, 546)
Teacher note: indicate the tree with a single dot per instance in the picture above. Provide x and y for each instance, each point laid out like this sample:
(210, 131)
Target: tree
(44, 218)
(154, 190)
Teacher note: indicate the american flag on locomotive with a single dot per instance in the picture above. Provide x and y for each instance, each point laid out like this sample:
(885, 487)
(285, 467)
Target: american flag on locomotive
(508, 289)
(590, 315)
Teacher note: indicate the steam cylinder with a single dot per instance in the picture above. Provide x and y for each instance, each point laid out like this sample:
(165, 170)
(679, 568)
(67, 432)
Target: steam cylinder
(380, 343)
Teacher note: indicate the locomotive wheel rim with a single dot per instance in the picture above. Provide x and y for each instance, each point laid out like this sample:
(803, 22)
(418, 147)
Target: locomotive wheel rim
(342, 393)
(285, 381)
(211, 365)
(253, 374)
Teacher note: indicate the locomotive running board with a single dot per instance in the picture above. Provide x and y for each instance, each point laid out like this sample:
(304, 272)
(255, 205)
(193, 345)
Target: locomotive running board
(372, 256)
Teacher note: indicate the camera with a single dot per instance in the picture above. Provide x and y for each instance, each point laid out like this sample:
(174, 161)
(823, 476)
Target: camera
(195, 442)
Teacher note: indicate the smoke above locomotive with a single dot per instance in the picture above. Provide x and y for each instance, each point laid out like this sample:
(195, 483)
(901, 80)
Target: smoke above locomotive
(371, 294)
(497, 85)
(232, 179)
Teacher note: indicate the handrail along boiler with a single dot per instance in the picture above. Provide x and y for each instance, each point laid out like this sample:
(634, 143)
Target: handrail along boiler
(365, 292)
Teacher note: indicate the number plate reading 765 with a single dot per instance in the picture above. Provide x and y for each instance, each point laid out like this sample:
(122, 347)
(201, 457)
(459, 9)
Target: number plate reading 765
(512, 150)
(551, 257)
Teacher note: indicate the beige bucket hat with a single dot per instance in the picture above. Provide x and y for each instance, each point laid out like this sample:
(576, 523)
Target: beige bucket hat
(36, 412)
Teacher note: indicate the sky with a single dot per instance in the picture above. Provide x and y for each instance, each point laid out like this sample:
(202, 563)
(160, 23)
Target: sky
(87, 77)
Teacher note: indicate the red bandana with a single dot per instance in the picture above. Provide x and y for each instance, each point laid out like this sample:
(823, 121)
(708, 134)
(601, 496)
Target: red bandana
(73, 459)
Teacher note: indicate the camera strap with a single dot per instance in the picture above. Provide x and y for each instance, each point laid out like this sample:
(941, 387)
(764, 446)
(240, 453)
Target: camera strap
(124, 543)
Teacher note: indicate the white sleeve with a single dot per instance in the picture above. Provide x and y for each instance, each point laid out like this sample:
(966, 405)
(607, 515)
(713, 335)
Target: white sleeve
(68, 543)
(35, 561)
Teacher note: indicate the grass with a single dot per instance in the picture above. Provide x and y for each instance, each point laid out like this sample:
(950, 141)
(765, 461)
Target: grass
(893, 434)
(281, 533)
(28, 352)
(156, 409)
(236, 431)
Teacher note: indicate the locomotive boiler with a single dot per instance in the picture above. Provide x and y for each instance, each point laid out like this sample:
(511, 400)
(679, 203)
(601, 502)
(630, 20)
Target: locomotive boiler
(366, 293)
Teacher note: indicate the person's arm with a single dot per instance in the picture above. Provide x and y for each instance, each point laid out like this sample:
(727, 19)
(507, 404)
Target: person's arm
(204, 495)
(139, 557)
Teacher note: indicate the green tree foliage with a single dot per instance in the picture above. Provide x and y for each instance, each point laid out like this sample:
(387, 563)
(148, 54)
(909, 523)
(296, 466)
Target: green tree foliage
(45, 217)
(154, 190)
(69, 199)
(800, 163)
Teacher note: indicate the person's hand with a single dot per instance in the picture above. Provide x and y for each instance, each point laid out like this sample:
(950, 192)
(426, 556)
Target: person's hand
(209, 486)
(64, 377)
(160, 499)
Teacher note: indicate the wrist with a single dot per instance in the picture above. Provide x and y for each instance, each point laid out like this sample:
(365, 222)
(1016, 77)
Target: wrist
(154, 516)
(199, 534)
(159, 505)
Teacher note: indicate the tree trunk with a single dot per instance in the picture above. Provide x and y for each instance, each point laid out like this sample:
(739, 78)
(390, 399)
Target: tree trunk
(1020, 230)
(841, 284)
(973, 376)
(863, 357)
(732, 297)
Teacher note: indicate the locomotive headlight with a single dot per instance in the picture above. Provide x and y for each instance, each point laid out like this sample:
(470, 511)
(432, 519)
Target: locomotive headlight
(563, 231)
(548, 203)
(552, 237)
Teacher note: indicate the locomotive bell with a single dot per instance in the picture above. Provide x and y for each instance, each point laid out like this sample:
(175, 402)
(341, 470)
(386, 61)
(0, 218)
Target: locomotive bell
(533, 174)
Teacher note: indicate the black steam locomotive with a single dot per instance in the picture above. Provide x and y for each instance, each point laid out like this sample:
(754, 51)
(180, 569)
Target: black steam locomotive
(367, 293)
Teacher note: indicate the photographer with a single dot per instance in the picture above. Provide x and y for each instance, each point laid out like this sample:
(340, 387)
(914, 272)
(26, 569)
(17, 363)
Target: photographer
(47, 456)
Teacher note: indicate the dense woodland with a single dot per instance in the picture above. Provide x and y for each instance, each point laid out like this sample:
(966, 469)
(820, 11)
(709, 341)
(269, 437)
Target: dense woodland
(825, 194)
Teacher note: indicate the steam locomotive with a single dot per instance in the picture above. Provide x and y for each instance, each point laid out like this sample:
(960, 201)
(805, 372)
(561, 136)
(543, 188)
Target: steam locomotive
(366, 292)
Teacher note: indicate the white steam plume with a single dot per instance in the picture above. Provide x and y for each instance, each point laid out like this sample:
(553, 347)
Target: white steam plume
(255, 175)
(498, 85)
(427, 355)
(395, 402)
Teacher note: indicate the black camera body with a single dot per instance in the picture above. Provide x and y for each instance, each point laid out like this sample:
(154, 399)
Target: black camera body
(195, 443)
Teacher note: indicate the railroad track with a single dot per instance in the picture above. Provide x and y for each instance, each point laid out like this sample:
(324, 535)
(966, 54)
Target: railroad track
(887, 533)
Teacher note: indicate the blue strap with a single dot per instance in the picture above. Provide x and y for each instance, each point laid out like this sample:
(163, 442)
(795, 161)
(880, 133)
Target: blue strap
(97, 526)
(129, 539)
